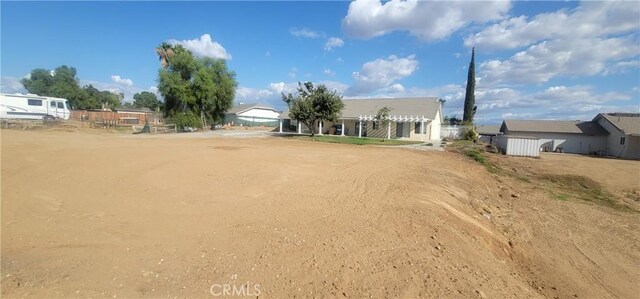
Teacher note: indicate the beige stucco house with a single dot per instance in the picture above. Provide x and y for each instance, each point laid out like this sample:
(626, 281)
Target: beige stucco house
(409, 118)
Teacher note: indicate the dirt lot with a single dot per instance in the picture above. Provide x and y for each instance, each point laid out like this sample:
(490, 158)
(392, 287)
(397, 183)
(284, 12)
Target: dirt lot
(86, 214)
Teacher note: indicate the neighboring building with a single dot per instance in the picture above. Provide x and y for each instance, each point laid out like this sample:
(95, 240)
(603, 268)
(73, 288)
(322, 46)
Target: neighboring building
(251, 115)
(563, 136)
(487, 133)
(608, 134)
(624, 133)
(410, 118)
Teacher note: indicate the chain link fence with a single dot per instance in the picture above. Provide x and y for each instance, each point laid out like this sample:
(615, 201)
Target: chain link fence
(250, 121)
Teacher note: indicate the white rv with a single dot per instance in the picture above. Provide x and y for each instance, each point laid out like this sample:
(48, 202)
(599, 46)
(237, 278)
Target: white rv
(31, 106)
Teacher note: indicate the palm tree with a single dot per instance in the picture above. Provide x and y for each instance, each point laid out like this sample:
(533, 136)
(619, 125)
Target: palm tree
(165, 51)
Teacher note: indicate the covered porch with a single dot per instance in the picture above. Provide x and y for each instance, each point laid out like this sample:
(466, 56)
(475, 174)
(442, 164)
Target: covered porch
(408, 127)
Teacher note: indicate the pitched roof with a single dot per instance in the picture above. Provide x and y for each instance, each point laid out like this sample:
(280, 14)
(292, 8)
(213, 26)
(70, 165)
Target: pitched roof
(628, 123)
(244, 107)
(488, 129)
(553, 126)
(353, 108)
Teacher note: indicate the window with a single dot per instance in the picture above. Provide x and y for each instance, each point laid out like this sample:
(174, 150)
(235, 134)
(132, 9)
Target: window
(622, 140)
(418, 128)
(60, 105)
(53, 104)
(34, 102)
(375, 124)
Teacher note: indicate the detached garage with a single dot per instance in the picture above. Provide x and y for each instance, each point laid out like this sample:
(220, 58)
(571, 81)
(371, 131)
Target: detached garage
(560, 136)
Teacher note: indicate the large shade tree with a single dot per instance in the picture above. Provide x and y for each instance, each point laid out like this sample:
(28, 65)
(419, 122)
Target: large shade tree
(312, 104)
(203, 87)
(96, 98)
(62, 82)
(146, 99)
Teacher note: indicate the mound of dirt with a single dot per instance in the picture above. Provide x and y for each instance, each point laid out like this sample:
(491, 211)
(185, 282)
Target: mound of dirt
(104, 215)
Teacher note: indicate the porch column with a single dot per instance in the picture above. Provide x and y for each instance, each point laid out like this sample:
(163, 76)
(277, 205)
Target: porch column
(299, 128)
(342, 132)
(280, 124)
(389, 130)
(422, 130)
(360, 129)
(320, 128)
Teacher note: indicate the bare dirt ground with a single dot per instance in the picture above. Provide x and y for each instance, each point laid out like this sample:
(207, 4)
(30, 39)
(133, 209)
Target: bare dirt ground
(87, 214)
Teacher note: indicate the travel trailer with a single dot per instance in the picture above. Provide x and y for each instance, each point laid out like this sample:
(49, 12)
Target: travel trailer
(31, 106)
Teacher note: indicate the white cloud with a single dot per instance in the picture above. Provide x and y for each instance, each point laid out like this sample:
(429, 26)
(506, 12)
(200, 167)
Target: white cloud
(427, 20)
(119, 80)
(154, 89)
(555, 102)
(382, 73)
(293, 73)
(560, 57)
(304, 32)
(333, 42)
(11, 85)
(203, 47)
(590, 19)
(622, 67)
(329, 72)
(115, 87)
(272, 93)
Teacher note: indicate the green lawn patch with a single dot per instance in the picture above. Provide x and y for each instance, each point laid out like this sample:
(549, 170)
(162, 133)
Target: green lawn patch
(356, 140)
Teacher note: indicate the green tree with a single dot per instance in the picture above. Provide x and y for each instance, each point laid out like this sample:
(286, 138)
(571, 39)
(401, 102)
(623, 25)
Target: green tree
(61, 83)
(93, 98)
(146, 99)
(39, 82)
(203, 87)
(313, 104)
(383, 116)
(470, 98)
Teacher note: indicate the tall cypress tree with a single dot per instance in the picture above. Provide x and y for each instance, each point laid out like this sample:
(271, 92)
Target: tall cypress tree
(470, 98)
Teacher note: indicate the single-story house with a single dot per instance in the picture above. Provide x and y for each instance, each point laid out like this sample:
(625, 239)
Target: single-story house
(624, 133)
(558, 135)
(251, 115)
(409, 118)
(608, 134)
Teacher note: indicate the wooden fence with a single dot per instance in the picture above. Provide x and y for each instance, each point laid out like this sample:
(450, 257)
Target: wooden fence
(117, 118)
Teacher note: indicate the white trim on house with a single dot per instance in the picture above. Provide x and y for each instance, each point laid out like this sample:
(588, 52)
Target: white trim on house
(414, 119)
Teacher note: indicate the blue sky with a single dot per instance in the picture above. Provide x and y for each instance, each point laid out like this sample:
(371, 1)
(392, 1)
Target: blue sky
(541, 60)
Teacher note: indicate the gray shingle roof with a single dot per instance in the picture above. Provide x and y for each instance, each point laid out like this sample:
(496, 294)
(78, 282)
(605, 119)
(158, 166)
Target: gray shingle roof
(353, 108)
(244, 107)
(488, 129)
(553, 126)
(629, 123)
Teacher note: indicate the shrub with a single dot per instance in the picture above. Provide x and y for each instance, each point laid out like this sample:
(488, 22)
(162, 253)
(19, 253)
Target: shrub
(471, 134)
(185, 119)
(476, 155)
